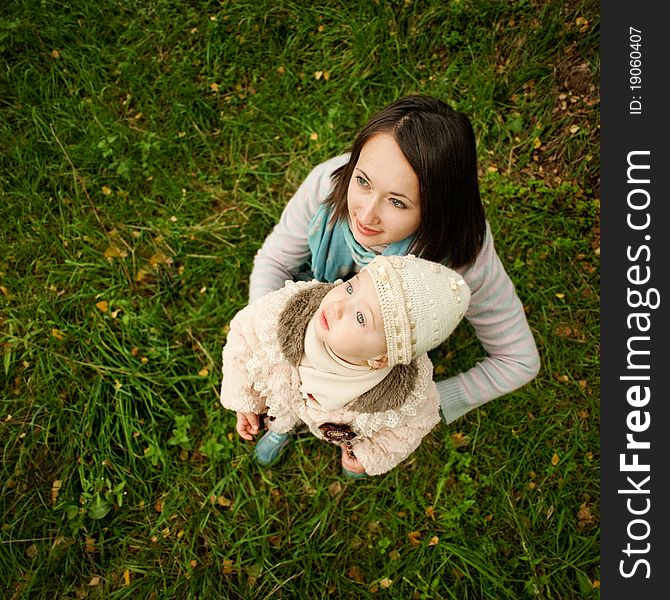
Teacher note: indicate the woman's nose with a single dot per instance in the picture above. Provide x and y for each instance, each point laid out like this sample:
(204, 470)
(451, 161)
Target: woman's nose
(367, 214)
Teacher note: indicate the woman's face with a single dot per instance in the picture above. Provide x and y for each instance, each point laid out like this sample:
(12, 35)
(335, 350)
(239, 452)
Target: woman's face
(383, 194)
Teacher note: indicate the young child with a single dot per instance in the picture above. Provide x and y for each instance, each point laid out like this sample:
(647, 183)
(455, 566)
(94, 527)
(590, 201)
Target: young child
(346, 359)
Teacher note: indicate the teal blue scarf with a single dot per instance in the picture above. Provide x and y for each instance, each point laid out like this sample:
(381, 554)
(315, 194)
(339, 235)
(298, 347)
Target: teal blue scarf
(335, 252)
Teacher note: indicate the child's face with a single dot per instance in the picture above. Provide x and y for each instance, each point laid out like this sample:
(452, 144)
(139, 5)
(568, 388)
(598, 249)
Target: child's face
(383, 194)
(349, 321)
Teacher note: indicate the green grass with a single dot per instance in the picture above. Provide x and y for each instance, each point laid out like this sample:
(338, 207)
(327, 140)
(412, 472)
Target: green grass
(146, 150)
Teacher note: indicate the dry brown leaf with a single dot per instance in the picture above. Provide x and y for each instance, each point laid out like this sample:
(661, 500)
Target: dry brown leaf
(433, 541)
(89, 545)
(95, 580)
(334, 488)
(55, 490)
(31, 551)
(430, 512)
(413, 537)
(386, 582)
(356, 574)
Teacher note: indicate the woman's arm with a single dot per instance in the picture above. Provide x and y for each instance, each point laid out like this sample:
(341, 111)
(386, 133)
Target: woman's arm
(285, 250)
(497, 315)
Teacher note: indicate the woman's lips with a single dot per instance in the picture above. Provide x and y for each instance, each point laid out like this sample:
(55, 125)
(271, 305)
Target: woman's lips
(363, 230)
(323, 320)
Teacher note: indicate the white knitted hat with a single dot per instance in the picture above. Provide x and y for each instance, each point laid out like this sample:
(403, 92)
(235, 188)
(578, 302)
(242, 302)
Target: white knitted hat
(422, 302)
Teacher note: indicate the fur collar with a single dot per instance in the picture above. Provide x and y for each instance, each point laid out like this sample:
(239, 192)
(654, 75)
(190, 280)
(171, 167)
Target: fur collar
(389, 394)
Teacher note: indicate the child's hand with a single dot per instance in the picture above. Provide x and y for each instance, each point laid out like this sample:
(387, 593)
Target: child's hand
(247, 425)
(351, 464)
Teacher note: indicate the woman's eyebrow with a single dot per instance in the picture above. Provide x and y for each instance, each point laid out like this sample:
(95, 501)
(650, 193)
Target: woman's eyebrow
(391, 193)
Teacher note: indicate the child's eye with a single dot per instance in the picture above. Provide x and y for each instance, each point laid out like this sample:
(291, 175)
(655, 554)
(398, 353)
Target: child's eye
(360, 318)
(350, 289)
(397, 203)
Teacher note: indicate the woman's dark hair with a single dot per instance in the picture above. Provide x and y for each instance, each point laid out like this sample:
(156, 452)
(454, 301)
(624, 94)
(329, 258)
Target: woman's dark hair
(439, 144)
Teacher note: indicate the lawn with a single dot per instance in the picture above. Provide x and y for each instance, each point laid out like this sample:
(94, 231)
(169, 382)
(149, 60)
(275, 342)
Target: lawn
(146, 150)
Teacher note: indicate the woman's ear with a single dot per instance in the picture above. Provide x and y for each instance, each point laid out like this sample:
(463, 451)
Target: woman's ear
(379, 363)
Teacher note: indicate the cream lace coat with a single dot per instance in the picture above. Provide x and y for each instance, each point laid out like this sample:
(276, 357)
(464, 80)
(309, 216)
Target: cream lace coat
(260, 372)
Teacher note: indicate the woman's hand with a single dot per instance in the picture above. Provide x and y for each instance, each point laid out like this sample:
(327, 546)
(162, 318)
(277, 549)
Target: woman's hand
(351, 463)
(247, 425)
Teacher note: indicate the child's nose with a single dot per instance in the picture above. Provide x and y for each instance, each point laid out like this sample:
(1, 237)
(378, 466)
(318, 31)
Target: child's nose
(338, 309)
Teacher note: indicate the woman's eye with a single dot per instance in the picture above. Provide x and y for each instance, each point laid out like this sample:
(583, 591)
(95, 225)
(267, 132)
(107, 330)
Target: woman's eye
(360, 318)
(398, 203)
(350, 289)
(361, 181)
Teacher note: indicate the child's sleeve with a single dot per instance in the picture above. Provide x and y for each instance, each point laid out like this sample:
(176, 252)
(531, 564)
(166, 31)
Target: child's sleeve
(237, 391)
(389, 446)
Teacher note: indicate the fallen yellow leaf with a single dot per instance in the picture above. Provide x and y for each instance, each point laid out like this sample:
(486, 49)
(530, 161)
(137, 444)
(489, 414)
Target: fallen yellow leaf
(106, 190)
(141, 275)
(102, 306)
(58, 334)
(126, 577)
(160, 259)
(386, 582)
(228, 566)
(433, 541)
(314, 136)
(537, 143)
(554, 459)
(113, 251)
(203, 372)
